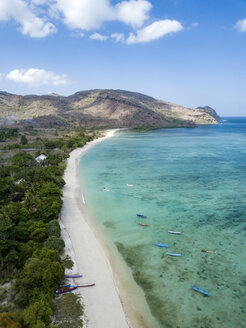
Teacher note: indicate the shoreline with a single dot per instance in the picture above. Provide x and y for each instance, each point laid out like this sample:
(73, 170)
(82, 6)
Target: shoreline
(101, 303)
(113, 299)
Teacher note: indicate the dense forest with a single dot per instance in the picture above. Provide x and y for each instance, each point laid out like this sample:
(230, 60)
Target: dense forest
(31, 268)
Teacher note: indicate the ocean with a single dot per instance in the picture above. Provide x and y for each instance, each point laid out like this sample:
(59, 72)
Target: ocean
(188, 180)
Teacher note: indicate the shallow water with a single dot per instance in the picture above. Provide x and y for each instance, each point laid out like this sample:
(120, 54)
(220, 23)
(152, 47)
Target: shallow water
(187, 180)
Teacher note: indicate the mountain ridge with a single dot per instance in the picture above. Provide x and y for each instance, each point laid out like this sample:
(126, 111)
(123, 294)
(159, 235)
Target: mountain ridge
(99, 108)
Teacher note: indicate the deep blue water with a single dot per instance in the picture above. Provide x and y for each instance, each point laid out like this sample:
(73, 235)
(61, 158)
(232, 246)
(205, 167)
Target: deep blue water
(188, 180)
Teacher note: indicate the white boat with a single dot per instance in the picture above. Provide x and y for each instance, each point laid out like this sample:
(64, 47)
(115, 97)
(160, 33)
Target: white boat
(174, 232)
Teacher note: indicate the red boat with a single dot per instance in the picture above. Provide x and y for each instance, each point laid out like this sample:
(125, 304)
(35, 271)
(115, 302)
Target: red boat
(85, 285)
(65, 290)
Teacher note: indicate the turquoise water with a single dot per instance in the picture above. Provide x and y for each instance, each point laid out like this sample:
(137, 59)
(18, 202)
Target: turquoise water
(188, 180)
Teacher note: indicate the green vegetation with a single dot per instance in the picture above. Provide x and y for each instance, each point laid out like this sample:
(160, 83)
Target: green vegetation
(8, 320)
(24, 140)
(68, 312)
(8, 133)
(30, 242)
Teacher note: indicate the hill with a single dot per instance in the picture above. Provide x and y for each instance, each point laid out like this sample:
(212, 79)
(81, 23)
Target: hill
(100, 109)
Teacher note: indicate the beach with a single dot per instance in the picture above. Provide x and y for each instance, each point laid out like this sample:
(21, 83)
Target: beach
(102, 303)
(116, 300)
(107, 304)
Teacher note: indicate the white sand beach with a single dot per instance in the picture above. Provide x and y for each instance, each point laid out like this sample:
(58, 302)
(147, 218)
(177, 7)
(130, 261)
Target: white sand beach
(104, 305)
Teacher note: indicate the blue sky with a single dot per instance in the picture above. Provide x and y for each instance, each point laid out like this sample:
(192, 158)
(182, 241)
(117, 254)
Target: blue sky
(190, 52)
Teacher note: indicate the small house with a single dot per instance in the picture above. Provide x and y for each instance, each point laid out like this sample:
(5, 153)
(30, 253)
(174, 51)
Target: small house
(40, 158)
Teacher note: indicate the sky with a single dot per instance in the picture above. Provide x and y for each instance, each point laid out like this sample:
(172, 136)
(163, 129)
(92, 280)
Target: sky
(189, 52)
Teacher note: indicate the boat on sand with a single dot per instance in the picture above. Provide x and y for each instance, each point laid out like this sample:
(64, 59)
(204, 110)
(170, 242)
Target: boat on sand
(70, 288)
(73, 276)
(65, 290)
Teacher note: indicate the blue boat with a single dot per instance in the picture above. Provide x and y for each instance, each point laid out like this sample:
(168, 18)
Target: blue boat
(173, 254)
(200, 290)
(142, 216)
(161, 245)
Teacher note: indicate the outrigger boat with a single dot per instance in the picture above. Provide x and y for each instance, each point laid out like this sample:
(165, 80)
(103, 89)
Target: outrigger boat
(207, 251)
(174, 232)
(161, 245)
(84, 285)
(143, 224)
(69, 288)
(74, 276)
(77, 286)
(200, 290)
(142, 216)
(173, 254)
(65, 290)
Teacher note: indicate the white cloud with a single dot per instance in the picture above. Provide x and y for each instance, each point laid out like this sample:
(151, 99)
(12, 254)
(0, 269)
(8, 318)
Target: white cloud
(35, 77)
(30, 23)
(97, 36)
(85, 14)
(91, 14)
(241, 25)
(133, 12)
(118, 37)
(155, 31)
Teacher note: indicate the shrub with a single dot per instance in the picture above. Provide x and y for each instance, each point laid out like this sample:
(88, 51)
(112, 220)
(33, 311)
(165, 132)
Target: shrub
(55, 243)
(8, 320)
(54, 228)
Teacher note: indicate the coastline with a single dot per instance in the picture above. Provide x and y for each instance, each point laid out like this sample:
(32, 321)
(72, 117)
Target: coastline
(102, 303)
(108, 303)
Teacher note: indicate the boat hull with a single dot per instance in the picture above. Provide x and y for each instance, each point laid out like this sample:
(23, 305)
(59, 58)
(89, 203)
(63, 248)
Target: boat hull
(200, 290)
(161, 245)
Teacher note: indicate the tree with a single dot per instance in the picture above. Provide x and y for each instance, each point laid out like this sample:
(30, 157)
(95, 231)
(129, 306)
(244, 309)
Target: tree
(26, 250)
(38, 231)
(6, 188)
(38, 275)
(6, 226)
(54, 228)
(8, 320)
(55, 243)
(22, 159)
(49, 209)
(16, 212)
(50, 190)
(24, 140)
(38, 313)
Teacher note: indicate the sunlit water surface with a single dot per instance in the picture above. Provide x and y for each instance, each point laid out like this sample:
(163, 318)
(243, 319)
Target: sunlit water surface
(187, 180)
